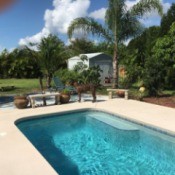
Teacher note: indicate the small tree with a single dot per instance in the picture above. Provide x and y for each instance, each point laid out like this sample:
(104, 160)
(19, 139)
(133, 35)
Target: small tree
(50, 55)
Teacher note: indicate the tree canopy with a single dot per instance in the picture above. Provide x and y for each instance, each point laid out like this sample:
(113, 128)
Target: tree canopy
(121, 24)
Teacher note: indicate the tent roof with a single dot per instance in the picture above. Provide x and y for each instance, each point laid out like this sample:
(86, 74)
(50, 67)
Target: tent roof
(89, 56)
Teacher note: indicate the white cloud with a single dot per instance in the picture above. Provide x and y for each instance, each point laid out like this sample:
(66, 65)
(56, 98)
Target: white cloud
(129, 3)
(58, 19)
(98, 14)
(166, 6)
(35, 38)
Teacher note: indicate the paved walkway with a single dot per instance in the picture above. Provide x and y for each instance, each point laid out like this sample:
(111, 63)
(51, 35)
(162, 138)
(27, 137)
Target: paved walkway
(19, 157)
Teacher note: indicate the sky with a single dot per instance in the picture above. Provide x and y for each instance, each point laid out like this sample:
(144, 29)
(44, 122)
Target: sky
(30, 20)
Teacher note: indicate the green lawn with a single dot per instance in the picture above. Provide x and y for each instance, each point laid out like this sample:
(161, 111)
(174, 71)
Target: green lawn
(22, 86)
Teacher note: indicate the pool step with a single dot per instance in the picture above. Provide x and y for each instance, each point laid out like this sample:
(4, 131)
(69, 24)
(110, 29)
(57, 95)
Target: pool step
(115, 122)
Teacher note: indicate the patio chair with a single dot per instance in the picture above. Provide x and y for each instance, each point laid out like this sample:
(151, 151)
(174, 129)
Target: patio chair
(60, 86)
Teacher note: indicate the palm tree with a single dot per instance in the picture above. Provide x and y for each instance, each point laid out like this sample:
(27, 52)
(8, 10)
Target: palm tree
(121, 23)
(50, 55)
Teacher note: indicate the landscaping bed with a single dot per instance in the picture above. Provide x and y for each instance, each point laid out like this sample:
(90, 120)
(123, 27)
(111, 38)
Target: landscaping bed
(168, 101)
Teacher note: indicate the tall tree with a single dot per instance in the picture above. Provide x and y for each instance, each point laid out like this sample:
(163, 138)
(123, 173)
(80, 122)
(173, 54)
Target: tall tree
(121, 24)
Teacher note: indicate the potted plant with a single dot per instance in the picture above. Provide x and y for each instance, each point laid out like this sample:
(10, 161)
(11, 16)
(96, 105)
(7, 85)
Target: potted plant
(21, 101)
(65, 96)
(120, 93)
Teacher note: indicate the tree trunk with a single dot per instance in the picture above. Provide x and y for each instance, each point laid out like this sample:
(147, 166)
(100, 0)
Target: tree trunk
(115, 59)
(41, 83)
(115, 67)
(49, 79)
(42, 89)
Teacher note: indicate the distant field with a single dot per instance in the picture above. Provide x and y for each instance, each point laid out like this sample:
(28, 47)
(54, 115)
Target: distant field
(21, 86)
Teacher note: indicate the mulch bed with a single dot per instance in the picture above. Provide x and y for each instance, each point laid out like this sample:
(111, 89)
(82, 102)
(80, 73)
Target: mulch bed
(164, 101)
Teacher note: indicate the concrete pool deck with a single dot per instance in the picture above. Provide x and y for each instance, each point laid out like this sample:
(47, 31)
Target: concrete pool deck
(19, 157)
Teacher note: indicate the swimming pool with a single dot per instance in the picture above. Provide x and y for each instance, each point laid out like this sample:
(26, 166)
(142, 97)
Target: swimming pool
(98, 143)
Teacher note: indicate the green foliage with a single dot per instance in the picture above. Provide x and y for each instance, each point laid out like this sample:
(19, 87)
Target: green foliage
(52, 53)
(160, 67)
(67, 76)
(91, 75)
(80, 67)
(153, 77)
(65, 91)
(167, 20)
(144, 6)
(138, 51)
(18, 64)
(88, 25)
(124, 82)
(164, 51)
(80, 46)
(121, 23)
(85, 76)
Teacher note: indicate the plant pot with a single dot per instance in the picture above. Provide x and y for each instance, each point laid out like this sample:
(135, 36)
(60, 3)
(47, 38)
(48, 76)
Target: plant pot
(121, 93)
(64, 98)
(21, 102)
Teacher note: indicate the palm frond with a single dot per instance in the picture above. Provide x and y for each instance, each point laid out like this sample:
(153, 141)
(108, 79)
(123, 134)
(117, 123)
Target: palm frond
(129, 27)
(90, 26)
(145, 6)
(115, 11)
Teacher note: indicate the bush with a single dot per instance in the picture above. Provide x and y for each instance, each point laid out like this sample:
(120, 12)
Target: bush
(124, 82)
(67, 76)
(154, 76)
(91, 75)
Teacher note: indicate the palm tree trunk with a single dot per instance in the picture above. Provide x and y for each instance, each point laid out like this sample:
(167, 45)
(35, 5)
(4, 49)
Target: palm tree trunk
(41, 83)
(49, 79)
(42, 89)
(115, 67)
(115, 58)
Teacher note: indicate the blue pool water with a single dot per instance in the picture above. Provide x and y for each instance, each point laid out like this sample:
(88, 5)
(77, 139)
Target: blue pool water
(83, 143)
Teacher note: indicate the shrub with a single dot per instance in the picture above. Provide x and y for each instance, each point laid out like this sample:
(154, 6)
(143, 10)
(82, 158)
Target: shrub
(67, 76)
(65, 91)
(154, 76)
(124, 82)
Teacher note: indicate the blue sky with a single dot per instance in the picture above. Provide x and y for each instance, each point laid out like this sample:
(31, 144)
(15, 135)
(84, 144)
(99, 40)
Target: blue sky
(30, 20)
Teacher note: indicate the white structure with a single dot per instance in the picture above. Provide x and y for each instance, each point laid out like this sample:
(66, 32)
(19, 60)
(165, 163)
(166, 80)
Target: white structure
(94, 59)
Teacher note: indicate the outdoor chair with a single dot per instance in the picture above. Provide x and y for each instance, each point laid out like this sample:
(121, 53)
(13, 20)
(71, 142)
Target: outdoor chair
(60, 86)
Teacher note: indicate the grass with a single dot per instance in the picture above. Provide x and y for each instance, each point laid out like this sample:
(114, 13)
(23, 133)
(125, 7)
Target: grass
(22, 86)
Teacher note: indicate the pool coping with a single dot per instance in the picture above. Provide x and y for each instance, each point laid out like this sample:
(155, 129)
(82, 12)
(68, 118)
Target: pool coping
(14, 142)
(144, 124)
